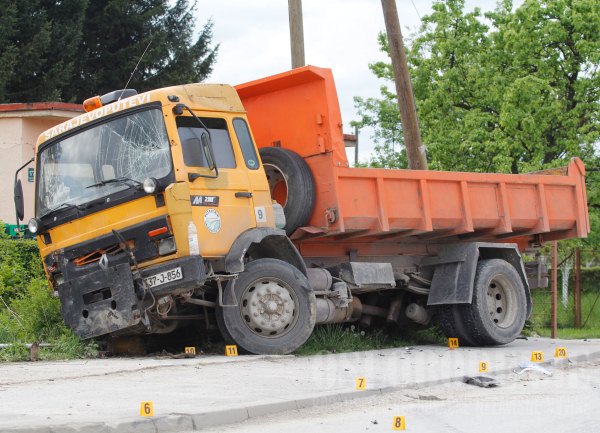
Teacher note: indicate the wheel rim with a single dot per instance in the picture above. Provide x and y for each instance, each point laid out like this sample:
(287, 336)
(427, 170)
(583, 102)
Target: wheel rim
(501, 301)
(277, 183)
(268, 307)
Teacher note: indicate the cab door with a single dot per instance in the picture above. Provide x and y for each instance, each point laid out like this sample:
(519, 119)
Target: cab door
(222, 206)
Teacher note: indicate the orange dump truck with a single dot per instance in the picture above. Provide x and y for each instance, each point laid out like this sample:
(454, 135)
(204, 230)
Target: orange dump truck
(208, 204)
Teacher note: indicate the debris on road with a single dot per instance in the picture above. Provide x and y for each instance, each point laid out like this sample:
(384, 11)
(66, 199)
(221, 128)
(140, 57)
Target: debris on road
(529, 366)
(482, 381)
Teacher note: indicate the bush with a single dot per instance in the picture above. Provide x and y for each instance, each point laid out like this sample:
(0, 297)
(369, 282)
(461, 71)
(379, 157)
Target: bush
(590, 279)
(20, 263)
(28, 311)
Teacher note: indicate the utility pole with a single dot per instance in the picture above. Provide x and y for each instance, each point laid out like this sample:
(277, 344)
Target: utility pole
(577, 291)
(296, 33)
(554, 292)
(415, 151)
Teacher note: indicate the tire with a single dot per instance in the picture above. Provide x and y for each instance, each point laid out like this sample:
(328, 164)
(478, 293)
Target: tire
(291, 184)
(268, 284)
(499, 308)
(453, 326)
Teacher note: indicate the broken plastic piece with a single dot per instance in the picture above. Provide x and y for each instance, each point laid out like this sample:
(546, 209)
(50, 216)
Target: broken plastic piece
(529, 366)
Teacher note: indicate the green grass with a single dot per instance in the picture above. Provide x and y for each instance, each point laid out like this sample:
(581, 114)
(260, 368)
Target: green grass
(590, 312)
(64, 347)
(339, 339)
(571, 333)
(34, 316)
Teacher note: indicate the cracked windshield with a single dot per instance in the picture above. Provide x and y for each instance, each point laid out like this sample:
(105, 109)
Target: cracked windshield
(100, 161)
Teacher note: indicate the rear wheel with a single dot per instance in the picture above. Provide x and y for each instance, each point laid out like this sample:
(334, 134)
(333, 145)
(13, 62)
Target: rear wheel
(499, 308)
(291, 184)
(275, 312)
(453, 325)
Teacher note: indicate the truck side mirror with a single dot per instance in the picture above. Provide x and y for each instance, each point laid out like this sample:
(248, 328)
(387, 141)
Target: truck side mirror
(19, 204)
(207, 149)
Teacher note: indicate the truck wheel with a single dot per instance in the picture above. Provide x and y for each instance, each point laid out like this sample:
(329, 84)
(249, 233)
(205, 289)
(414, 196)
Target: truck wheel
(499, 308)
(451, 322)
(275, 312)
(291, 184)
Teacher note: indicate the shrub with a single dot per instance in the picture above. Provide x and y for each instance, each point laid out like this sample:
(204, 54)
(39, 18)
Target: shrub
(28, 311)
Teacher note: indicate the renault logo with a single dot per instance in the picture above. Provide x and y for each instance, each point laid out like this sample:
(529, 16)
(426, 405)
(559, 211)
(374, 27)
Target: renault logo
(103, 263)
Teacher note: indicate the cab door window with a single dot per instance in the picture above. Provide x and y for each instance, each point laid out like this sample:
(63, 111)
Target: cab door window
(246, 143)
(189, 134)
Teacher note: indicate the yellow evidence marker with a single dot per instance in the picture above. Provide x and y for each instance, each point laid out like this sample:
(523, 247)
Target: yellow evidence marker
(560, 352)
(191, 350)
(147, 408)
(453, 343)
(361, 383)
(398, 423)
(537, 356)
(484, 367)
(231, 350)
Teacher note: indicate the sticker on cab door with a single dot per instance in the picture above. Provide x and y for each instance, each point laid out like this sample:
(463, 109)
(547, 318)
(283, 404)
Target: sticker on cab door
(204, 200)
(212, 220)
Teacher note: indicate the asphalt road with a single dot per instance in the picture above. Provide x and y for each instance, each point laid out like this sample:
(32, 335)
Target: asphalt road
(567, 401)
(105, 395)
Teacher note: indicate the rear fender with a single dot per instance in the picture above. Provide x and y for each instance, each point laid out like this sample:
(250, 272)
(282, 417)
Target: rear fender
(455, 267)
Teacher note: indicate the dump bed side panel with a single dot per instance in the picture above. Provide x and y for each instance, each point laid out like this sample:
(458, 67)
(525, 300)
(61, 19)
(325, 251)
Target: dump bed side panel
(444, 206)
(376, 209)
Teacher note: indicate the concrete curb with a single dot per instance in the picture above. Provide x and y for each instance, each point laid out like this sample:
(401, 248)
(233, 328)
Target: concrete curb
(178, 422)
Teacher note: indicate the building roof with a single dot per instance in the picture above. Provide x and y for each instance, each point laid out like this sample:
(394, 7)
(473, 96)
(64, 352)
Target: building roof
(41, 106)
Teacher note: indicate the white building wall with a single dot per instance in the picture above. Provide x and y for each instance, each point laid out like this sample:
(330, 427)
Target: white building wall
(11, 158)
(19, 132)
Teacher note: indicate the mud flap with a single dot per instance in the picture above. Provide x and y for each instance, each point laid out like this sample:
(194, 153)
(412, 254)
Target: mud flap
(101, 302)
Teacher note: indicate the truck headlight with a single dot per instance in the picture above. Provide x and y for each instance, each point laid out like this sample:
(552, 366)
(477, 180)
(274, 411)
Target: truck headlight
(150, 185)
(167, 246)
(34, 225)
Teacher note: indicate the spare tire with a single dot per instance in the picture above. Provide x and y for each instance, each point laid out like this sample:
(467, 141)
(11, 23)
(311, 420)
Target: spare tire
(291, 184)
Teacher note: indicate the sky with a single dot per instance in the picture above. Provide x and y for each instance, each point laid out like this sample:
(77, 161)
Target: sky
(338, 34)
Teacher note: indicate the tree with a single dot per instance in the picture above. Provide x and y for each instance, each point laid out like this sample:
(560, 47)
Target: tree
(519, 94)
(73, 49)
(38, 47)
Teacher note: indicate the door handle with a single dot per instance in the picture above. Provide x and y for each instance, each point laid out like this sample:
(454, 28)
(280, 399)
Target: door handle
(243, 194)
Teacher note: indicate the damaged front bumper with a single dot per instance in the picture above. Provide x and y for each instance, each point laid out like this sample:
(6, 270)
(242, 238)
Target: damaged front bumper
(109, 300)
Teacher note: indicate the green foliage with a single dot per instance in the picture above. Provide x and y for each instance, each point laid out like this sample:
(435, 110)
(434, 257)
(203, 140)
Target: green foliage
(33, 315)
(339, 338)
(590, 280)
(505, 91)
(71, 50)
(28, 311)
(38, 46)
(590, 311)
(19, 264)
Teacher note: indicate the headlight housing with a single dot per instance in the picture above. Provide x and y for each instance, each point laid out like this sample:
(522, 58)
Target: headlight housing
(150, 185)
(33, 225)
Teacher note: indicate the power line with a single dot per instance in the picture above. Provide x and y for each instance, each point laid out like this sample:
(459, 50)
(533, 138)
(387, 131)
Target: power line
(416, 10)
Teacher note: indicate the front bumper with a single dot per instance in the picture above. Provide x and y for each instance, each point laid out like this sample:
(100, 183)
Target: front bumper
(107, 300)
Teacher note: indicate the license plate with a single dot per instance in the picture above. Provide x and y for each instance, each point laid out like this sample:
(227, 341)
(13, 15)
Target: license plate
(164, 277)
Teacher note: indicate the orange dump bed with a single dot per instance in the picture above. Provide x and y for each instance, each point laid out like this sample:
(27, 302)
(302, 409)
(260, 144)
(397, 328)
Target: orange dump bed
(378, 208)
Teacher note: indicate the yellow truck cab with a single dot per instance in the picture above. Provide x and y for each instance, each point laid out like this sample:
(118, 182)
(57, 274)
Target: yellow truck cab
(149, 204)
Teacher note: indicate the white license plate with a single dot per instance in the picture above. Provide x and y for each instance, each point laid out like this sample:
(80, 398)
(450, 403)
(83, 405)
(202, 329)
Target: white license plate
(164, 277)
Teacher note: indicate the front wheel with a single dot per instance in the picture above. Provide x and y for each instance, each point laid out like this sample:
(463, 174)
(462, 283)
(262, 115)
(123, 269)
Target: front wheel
(499, 308)
(275, 312)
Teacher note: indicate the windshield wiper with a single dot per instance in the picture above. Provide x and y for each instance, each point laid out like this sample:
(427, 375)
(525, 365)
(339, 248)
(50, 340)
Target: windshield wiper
(116, 180)
(61, 206)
